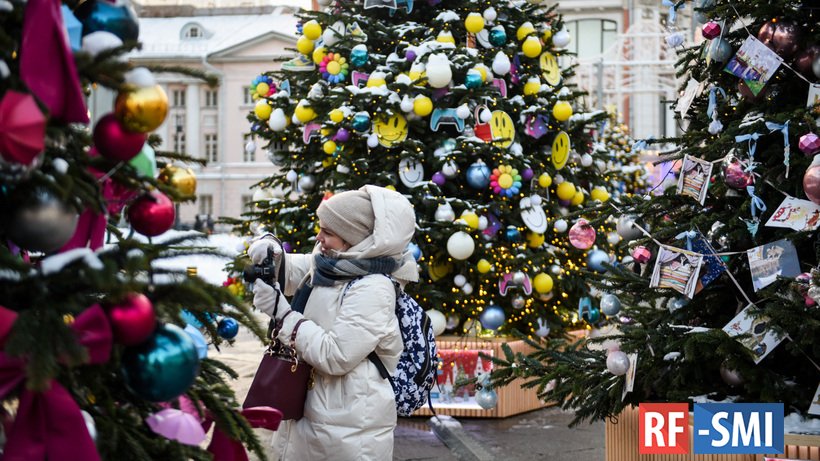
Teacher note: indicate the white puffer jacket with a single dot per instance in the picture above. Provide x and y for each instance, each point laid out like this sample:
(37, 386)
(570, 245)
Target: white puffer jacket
(350, 413)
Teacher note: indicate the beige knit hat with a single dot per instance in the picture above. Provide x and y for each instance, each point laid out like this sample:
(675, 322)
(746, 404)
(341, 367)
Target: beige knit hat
(349, 215)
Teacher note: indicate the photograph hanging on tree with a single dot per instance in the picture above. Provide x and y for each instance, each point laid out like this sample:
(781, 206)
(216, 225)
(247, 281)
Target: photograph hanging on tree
(814, 409)
(629, 384)
(757, 336)
(694, 178)
(676, 270)
(755, 63)
(814, 98)
(797, 214)
(772, 260)
(712, 265)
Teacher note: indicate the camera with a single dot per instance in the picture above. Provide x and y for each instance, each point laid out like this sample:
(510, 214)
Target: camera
(265, 272)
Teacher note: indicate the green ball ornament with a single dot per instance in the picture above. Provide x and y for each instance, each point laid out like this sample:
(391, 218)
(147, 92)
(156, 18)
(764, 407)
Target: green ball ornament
(145, 162)
(163, 367)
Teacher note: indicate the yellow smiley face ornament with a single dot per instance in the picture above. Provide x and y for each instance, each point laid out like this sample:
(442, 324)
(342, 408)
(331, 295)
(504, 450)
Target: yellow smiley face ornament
(549, 68)
(560, 150)
(391, 130)
(502, 129)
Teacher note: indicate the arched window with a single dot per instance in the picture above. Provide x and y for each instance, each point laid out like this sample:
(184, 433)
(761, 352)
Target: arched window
(193, 31)
(591, 37)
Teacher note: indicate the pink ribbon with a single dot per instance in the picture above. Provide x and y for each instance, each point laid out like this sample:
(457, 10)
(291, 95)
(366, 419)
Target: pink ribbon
(225, 448)
(47, 65)
(49, 425)
(90, 231)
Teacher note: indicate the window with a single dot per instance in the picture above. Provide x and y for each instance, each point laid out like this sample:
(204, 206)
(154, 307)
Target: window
(179, 142)
(211, 98)
(248, 156)
(247, 97)
(247, 203)
(211, 152)
(591, 37)
(178, 97)
(206, 204)
(192, 31)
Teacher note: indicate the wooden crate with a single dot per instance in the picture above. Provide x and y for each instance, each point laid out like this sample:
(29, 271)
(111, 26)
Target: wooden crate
(462, 353)
(622, 444)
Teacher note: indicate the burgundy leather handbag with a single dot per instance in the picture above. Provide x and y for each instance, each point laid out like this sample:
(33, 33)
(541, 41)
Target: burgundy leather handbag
(281, 381)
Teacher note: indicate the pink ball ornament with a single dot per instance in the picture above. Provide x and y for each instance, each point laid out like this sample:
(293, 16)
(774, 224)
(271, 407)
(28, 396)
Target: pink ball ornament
(113, 141)
(809, 144)
(735, 174)
(710, 30)
(582, 235)
(151, 214)
(134, 320)
(641, 254)
(811, 181)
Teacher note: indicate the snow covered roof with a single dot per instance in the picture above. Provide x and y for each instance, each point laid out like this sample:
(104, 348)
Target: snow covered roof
(197, 36)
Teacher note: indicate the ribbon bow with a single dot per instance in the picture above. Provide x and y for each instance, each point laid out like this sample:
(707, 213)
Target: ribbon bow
(757, 203)
(752, 138)
(710, 109)
(642, 144)
(783, 128)
(49, 424)
(225, 448)
(673, 9)
(689, 236)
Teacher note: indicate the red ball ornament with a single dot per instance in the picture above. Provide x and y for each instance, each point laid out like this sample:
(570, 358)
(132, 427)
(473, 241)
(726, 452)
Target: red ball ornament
(811, 181)
(134, 320)
(710, 30)
(809, 144)
(641, 254)
(113, 141)
(735, 174)
(152, 214)
(781, 35)
(804, 60)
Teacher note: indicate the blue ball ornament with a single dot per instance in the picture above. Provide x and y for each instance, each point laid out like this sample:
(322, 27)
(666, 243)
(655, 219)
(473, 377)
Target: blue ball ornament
(596, 259)
(486, 398)
(498, 36)
(358, 56)
(473, 80)
(361, 122)
(512, 234)
(117, 17)
(478, 175)
(414, 250)
(163, 367)
(592, 315)
(227, 328)
(190, 319)
(492, 317)
(720, 50)
(610, 304)
(199, 341)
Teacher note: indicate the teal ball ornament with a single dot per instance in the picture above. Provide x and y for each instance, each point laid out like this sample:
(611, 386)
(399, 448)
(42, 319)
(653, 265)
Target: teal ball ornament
(591, 315)
(358, 56)
(596, 260)
(512, 234)
(361, 122)
(163, 367)
(473, 80)
(478, 175)
(115, 16)
(498, 36)
(227, 328)
(492, 317)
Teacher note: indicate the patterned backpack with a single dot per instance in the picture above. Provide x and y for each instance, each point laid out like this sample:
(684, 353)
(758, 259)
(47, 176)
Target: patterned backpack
(418, 364)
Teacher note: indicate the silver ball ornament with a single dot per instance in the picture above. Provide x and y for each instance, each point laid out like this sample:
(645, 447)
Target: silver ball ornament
(617, 363)
(519, 278)
(307, 183)
(625, 227)
(518, 302)
(729, 376)
(486, 398)
(610, 304)
(41, 222)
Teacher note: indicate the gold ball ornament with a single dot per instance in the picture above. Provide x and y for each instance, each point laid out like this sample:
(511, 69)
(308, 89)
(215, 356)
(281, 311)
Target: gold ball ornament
(422, 106)
(303, 112)
(262, 110)
(542, 283)
(578, 198)
(470, 218)
(337, 115)
(329, 147)
(546, 35)
(312, 30)
(474, 23)
(319, 55)
(143, 109)
(262, 89)
(531, 47)
(545, 180)
(524, 30)
(484, 266)
(532, 87)
(446, 37)
(304, 45)
(565, 190)
(599, 193)
(183, 180)
(534, 239)
(440, 268)
(562, 111)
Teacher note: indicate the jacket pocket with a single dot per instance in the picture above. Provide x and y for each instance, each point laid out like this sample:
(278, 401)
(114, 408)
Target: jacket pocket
(334, 391)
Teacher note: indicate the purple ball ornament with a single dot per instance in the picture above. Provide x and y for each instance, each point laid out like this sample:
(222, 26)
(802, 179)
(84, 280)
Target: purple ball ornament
(287, 247)
(582, 235)
(735, 174)
(809, 144)
(410, 55)
(439, 179)
(710, 30)
(342, 135)
(527, 174)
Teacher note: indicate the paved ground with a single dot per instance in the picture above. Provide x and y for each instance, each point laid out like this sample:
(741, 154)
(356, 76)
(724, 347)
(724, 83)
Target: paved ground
(538, 435)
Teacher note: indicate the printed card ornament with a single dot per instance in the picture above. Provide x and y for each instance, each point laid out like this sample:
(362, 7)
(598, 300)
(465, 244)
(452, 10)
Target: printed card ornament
(772, 260)
(754, 63)
(536, 125)
(814, 408)
(694, 178)
(676, 270)
(797, 214)
(757, 336)
(713, 267)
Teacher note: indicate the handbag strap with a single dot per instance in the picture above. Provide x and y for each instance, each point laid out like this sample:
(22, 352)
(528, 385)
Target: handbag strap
(295, 329)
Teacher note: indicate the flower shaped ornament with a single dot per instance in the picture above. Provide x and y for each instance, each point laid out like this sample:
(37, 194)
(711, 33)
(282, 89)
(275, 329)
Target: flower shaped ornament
(334, 68)
(505, 181)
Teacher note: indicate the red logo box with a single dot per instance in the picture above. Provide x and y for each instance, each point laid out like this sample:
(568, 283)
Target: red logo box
(663, 428)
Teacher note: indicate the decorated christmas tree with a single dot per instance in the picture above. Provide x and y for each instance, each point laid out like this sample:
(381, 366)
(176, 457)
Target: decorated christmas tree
(718, 297)
(462, 107)
(99, 345)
